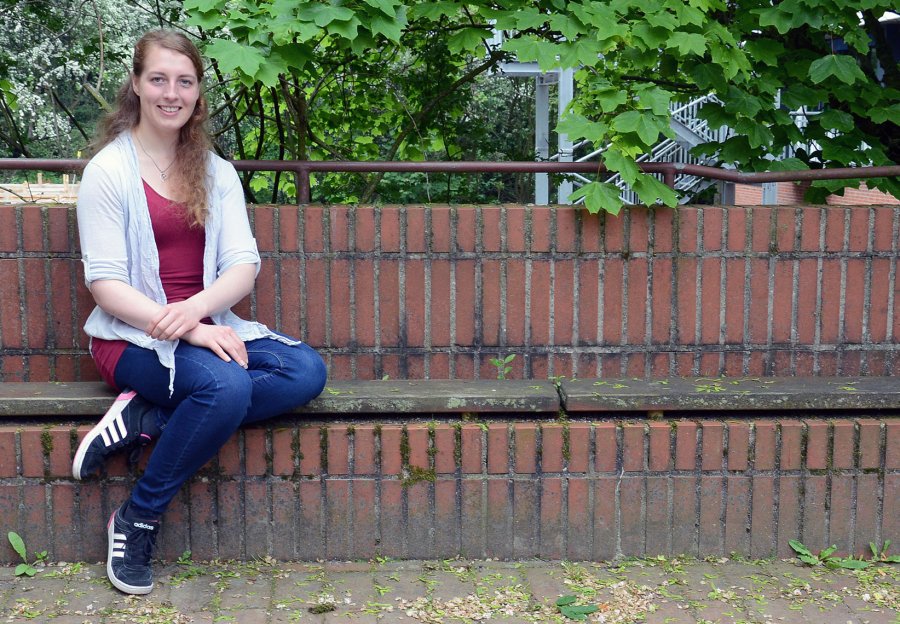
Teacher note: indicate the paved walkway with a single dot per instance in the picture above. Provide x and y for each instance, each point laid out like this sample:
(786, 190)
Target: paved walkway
(654, 591)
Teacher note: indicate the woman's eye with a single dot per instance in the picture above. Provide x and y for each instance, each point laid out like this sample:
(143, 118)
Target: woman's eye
(187, 83)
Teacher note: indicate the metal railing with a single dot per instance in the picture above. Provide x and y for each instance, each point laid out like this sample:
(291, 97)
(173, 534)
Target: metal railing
(668, 170)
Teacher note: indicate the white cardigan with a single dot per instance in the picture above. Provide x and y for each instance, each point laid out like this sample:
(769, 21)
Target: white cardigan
(117, 242)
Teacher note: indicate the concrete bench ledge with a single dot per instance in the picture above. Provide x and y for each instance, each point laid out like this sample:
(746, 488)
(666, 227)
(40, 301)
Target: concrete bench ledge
(72, 399)
(698, 394)
(731, 393)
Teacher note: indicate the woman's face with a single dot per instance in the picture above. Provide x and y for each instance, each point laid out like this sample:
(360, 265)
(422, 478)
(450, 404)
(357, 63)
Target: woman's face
(168, 89)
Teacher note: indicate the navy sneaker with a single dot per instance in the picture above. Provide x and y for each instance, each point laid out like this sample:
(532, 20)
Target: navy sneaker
(128, 554)
(129, 424)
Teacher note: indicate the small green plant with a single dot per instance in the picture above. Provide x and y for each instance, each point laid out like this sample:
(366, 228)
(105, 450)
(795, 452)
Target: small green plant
(880, 554)
(826, 558)
(569, 608)
(18, 545)
(503, 365)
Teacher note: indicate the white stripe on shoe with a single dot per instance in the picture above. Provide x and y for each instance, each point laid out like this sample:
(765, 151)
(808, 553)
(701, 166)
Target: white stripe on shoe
(111, 429)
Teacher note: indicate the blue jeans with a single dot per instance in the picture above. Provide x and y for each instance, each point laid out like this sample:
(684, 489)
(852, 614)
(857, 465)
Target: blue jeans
(212, 398)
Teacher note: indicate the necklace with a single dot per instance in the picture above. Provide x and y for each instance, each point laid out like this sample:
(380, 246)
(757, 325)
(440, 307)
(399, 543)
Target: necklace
(162, 172)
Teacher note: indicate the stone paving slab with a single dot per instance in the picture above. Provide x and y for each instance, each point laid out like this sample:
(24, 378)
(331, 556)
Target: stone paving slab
(654, 591)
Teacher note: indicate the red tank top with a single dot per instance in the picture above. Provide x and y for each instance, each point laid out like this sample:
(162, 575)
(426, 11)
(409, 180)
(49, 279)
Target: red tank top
(180, 248)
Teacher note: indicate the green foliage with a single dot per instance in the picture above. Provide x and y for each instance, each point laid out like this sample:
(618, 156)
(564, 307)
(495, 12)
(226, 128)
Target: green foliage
(826, 558)
(503, 365)
(18, 544)
(568, 607)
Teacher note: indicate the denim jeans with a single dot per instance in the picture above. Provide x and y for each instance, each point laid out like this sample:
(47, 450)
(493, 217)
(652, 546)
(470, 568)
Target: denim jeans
(211, 399)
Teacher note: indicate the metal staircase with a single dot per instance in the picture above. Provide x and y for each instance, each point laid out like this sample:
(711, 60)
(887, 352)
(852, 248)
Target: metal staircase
(690, 130)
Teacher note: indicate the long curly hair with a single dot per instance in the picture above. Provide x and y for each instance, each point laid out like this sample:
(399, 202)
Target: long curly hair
(192, 151)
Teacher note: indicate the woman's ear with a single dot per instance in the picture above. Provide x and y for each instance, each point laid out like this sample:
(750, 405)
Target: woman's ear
(134, 85)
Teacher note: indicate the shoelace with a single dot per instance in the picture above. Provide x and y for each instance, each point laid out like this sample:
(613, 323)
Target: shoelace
(135, 455)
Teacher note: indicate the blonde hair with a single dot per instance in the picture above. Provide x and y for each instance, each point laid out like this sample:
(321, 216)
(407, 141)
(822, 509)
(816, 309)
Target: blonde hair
(192, 152)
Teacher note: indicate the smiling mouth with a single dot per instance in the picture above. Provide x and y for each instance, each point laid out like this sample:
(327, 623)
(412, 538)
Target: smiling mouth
(170, 109)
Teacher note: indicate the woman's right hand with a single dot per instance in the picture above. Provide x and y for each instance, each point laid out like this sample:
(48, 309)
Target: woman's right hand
(221, 340)
(175, 319)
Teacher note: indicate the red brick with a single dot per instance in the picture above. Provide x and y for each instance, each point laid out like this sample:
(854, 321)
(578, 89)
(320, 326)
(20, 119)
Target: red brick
(762, 518)
(579, 520)
(785, 228)
(579, 445)
(229, 456)
(782, 302)
(466, 303)
(633, 451)
(499, 535)
(391, 460)
(416, 235)
(712, 228)
(816, 445)
(588, 291)
(810, 228)
(288, 229)
(814, 497)
(516, 302)
(8, 466)
(566, 228)
(35, 301)
(364, 452)
(737, 513)
(497, 448)
(389, 302)
(764, 445)
(631, 527)
(309, 522)
(8, 229)
(612, 303)
(310, 439)
(315, 280)
(540, 306)
(605, 440)
(684, 516)
(552, 447)
(61, 453)
(661, 300)
(713, 454)
(660, 443)
(711, 537)
(552, 533)
(762, 229)
(892, 438)
(491, 315)
(390, 228)
(685, 445)
(32, 228)
(441, 228)
(688, 229)
(831, 300)
(890, 519)
(638, 296)
(791, 443)
(789, 520)
(62, 334)
(840, 522)
(869, 443)
(418, 446)
(472, 518)
(466, 228)
(364, 302)
(879, 321)
(658, 527)
(604, 514)
(525, 439)
(867, 513)
(563, 299)
(834, 229)
(338, 450)
(590, 232)
(491, 228)
(844, 434)
(758, 312)
(231, 522)
(283, 453)
(32, 451)
(686, 310)
(859, 229)
(415, 303)
(447, 517)
(471, 449)
(854, 299)
(313, 229)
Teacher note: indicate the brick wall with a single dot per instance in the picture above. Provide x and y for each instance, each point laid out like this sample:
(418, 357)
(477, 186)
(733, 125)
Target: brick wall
(416, 292)
(581, 490)
(791, 193)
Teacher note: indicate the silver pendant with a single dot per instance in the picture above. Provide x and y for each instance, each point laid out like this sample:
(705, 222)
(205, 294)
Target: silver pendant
(163, 175)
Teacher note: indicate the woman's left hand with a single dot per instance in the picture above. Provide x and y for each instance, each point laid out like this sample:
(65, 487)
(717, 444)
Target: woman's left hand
(221, 340)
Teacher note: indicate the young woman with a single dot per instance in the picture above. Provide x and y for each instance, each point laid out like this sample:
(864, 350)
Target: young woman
(167, 250)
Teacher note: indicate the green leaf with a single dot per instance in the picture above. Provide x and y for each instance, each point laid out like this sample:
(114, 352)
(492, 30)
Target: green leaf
(798, 94)
(768, 51)
(652, 36)
(578, 126)
(837, 120)
(844, 68)
(827, 552)
(611, 99)
(18, 544)
(325, 14)
(232, 56)
(644, 124)
(656, 99)
(599, 196)
(788, 164)
(650, 190)
(852, 564)
(736, 150)
(467, 40)
(346, 29)
(434, 10)
(739, 101)
(626, 167)
(687, 43)
(757, 134)
(885, 113)
(799, 548)
(388, 7)
(562, 601)
(709, 76)
(531, 49)
(892, 559)
(715, 115)
(529, 17)
(24, 568)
